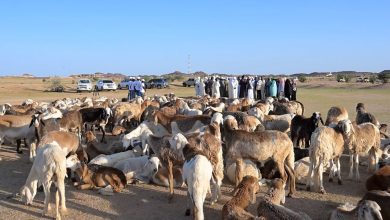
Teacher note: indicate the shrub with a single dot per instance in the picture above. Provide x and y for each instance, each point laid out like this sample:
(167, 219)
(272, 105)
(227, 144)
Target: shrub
(384, 77)
(43, 80)
(348, 77)
(302, 79)
(372, 79)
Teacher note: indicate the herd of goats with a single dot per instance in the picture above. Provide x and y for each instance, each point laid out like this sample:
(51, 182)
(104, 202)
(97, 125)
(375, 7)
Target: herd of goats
(197, 142)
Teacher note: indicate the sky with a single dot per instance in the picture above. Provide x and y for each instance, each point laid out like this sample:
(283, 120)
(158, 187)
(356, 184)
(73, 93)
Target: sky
(46, 38)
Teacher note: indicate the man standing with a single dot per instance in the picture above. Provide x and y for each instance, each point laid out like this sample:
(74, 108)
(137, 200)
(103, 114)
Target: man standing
(233, 88)
(131, 88)
(137, 87)
(197, 87)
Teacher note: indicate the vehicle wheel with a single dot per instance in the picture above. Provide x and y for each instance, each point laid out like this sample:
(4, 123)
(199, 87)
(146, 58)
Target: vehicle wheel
(184, 85)
(159, 87)
(78, 91)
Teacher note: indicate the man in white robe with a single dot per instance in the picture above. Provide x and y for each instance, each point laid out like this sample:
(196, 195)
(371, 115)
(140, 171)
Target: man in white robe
(233, 88)
(215, 88)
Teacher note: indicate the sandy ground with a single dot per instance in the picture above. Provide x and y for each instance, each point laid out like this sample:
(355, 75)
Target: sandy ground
(145, 201)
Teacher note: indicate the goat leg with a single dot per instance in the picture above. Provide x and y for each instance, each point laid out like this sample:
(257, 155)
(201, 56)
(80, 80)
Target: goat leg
(18, 143)
(170, 180)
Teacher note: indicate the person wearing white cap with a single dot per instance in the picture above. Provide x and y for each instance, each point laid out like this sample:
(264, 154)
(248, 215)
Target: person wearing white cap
(137, 87)
(131, 88)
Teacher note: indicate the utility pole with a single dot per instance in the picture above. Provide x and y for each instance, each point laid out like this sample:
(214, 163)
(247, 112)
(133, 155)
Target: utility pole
(189, 64)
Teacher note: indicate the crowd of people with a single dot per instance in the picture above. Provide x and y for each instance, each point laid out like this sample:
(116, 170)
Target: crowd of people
(255, 88)
(136, 87)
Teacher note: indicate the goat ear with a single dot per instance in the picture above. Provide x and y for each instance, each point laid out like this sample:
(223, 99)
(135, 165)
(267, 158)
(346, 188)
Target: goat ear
(252, 193)
(43, 123)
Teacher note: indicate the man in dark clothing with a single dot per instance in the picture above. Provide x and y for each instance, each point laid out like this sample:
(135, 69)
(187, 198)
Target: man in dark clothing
(288, 89)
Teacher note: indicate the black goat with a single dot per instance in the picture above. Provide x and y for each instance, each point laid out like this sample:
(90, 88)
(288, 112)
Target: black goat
(362, 116)
(96, 116)
(302, 128)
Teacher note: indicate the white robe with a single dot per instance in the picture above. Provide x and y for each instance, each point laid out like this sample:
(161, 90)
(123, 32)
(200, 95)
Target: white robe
(198, 91)
(233, 88)
(202, 91)
(215, 89)
(250, 90)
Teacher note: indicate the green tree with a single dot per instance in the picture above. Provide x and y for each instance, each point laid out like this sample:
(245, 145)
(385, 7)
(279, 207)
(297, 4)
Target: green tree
(302, 79)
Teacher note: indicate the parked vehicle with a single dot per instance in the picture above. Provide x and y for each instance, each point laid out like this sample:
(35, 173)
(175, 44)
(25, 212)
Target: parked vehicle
(156, 83)
(106, 84)
(190, 82)
(84, 85)
(124, 84)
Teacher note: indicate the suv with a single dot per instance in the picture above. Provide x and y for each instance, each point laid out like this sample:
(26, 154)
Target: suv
(190, 82)
(156, 83)
(84, 85)
(124, 84)
(106, 84)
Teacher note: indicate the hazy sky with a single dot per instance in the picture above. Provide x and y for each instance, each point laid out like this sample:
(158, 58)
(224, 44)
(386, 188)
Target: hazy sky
(145, 37)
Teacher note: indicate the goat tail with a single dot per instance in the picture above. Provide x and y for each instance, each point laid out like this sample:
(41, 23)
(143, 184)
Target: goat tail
(303, 107)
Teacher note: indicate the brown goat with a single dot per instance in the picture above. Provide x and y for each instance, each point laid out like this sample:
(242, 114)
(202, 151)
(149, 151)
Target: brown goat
(336, 114)
(243, 195)
(183, 123)
(380, 180)
(92, 176)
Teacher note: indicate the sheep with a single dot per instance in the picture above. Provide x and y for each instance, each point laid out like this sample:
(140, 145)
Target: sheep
(110, 160)
(93, 176)
(270, 207)
(382, 198)
(49, 165)
(365, 209)
(138, 168)
(362, 116)
(302, 128)
(336, 114)
(260, 147)
(244, 194)
(327, 144)
(197, 173)
(380, 180)
(361, 139)
(301, 168)
(278, 122)
(127, 111)
(248, 169)
(287, 107)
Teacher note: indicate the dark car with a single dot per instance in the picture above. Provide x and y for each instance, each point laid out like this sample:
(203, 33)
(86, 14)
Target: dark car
(156, 83)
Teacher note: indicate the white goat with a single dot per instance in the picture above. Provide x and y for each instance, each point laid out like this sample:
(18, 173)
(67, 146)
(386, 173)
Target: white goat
(141, 168)
(197, 175)
(49, 165)
(110, 160)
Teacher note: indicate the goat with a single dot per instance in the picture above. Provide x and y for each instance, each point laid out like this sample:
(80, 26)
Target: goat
(138, 168)
(48, 166)
(382, 198)
(17, 127)
(248, 169)
(260, 147)
(161, 178)
(110, 160)
(363, 138)
(302, 128)
(244, 194)
(380, 180)
(180, 123)
(365, 209)
(92, 176)
(96, 116)
(197, 172)
(270, 207)
(95, 148)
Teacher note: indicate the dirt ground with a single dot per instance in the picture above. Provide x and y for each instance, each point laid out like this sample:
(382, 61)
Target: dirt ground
(144, 201)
